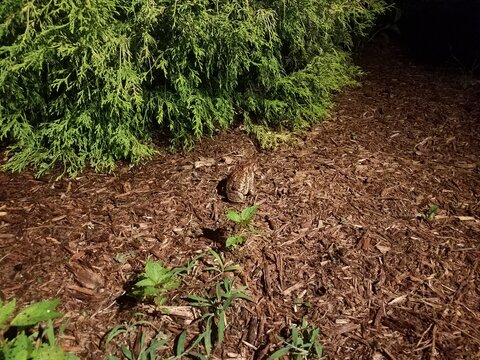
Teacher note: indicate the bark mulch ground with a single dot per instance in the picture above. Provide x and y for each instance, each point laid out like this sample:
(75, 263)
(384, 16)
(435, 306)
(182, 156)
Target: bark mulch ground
(348, 235)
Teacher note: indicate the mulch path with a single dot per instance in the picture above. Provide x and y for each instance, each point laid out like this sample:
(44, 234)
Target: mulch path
(343, 236)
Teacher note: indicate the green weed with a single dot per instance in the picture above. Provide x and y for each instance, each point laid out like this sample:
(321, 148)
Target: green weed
(244, 217)
(31, 341)
(214, 315)
(222, 266)
(302, 343)
(243, 223)
(155, 281)
(430, 213)
(146, 348)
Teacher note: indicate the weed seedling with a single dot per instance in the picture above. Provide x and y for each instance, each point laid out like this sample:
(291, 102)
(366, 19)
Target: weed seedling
(302, 343)
(146, 349)
(30, 341)
(222, 267)
(243, 218)
(214, 308)
(155, 281)
(243, 222)
(430, 213)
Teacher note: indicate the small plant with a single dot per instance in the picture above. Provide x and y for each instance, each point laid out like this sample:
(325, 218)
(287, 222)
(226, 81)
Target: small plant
(222, 266)
(31, 341)
(302, 344)
(243, 221)
(243, 218)
(155, 281)
(214, 316)
(145, 349)
(234, 240)
(430, 213)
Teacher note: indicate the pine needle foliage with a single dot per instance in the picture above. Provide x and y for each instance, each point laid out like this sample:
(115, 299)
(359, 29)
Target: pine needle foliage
(84, 82)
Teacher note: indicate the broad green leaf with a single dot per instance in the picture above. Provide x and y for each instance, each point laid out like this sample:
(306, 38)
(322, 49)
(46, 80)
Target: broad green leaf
(150, 290)
(5, 312)
(51, 352)
(145, 282)
(19, 348)
(33, 314)
(248, 213)
(160, 300)
(233, 216)
(153, 270)
(234, 240)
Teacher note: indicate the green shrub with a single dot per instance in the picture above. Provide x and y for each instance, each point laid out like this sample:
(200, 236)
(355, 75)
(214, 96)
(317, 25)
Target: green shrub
(86, 82)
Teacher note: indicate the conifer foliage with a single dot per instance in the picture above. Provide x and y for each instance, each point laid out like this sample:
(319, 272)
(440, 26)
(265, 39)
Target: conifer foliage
(85, 82)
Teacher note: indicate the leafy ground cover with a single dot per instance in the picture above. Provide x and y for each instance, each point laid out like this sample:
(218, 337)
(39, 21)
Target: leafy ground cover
(368, 227)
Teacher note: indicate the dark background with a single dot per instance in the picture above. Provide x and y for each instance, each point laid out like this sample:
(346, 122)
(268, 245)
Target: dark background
(442, 30)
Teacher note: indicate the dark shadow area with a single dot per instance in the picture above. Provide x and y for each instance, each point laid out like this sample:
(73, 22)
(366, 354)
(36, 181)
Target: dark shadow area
(442, 31)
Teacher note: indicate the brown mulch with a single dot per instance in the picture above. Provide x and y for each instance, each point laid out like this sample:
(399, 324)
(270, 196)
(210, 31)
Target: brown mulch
(343, 237)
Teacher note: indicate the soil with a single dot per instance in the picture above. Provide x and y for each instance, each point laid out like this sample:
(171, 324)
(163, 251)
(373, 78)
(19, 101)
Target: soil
(348, 236)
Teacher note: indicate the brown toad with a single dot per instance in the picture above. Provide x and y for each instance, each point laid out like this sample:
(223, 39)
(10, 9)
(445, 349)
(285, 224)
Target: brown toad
(240, 182)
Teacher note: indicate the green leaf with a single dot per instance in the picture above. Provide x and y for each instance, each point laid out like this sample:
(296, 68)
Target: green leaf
(232, 268)
(5, 312)
(181, 343)
(51, 352)
(50, 332)
(318, 350)
(248, 213)
(33, 314)
(279, 353)
(221, 326)
(295, 335)
(116, 330)
(198, 299)
(127, 353)
(19, 348)
(154, 271)
(208, 337)
(234, 240)
(233, 216)
(217, 257)
(145, 283)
